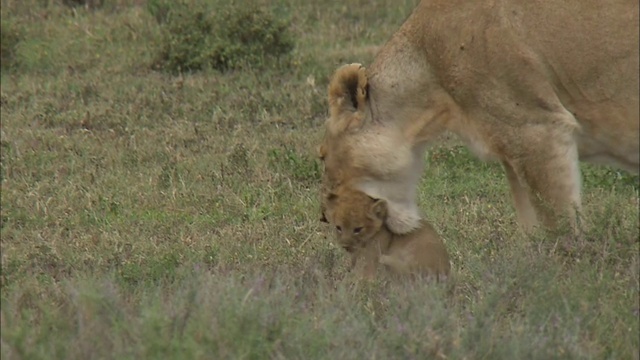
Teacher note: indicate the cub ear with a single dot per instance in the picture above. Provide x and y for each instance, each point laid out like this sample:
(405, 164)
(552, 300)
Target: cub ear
(323, 218)
(348, 96)
(322, 151)
(379, 209)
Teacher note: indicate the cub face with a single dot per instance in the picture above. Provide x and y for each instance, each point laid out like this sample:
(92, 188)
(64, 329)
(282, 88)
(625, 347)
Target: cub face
(356, 217)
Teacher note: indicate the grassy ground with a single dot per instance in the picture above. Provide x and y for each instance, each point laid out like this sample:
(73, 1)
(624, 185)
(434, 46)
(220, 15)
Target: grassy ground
(154, 215)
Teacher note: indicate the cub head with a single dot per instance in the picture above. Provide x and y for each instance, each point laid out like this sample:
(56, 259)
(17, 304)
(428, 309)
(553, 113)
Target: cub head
(356, 217)
(363, 146)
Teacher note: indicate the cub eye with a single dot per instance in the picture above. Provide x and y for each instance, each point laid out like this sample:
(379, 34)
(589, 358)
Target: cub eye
(357, 230)
(339, 228)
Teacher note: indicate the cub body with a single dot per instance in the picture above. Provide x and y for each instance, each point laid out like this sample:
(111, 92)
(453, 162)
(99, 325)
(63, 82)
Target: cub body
(420, 251)
(360, 228)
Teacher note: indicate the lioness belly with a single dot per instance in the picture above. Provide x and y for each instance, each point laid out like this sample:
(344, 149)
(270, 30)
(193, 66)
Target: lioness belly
(609, 135)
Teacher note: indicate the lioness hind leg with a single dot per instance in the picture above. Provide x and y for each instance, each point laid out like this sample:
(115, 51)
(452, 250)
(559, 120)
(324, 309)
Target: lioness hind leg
(551, 170)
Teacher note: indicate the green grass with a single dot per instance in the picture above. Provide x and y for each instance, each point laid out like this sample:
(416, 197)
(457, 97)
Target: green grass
(152, 215)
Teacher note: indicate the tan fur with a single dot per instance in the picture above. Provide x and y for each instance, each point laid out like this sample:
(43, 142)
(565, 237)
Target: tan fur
(357, 219)
(360, 230)
(418, 252)
(536, 85)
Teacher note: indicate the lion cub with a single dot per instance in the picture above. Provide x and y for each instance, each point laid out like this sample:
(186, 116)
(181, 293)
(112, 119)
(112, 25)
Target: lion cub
(359, 224)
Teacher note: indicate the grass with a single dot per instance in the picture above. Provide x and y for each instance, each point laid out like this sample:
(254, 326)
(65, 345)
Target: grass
(153, 215)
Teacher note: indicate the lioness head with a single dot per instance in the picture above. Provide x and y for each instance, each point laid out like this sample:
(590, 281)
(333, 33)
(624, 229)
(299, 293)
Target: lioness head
(372, 155)
(356, 216)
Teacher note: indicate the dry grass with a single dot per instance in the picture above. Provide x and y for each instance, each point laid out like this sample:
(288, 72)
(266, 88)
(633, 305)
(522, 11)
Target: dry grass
(146, 215)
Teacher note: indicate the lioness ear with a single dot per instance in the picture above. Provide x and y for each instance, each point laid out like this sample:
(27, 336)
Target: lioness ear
(379, 209)
(348, 96)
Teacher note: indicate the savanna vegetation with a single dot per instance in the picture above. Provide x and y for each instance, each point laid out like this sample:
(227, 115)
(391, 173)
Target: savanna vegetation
(160, 200)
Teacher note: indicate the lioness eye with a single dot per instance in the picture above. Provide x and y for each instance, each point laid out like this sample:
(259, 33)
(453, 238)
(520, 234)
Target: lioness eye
(357, 230)
(339, 228)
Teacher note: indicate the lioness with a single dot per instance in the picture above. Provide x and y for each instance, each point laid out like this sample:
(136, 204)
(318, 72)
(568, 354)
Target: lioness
(536, 85)
(359, 223)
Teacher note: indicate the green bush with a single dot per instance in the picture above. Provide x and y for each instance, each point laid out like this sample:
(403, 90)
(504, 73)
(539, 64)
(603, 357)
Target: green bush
(89, 4)
(9, 39)
(159, 9)
(219, 36)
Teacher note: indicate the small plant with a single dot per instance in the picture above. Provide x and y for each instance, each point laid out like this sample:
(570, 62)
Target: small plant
(608, 177)
(300, 168)
(196, 36)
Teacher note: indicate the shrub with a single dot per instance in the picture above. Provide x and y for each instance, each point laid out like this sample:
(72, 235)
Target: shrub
(159, 9)
(219, 36)
(9, 39)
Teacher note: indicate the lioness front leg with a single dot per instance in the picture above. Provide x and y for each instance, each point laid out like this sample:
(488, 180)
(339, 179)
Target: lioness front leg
(520, 194)
(551, 171)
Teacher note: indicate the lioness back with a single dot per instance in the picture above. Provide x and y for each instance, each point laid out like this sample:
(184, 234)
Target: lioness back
(420, 251)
